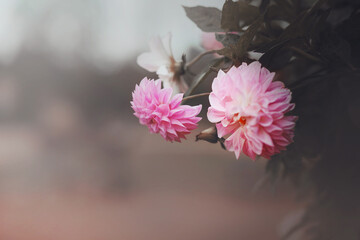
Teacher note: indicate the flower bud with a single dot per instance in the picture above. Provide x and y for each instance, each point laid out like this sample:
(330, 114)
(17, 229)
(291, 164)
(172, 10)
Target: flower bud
(209, 135)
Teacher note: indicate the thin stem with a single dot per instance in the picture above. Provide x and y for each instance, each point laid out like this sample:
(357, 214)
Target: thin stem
(197, 58)
(202, 77)
(301, 82)
(305, 54)
(316, 5)
(195, 96)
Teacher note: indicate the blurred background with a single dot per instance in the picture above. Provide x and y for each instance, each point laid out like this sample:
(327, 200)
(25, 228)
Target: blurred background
(74, 161)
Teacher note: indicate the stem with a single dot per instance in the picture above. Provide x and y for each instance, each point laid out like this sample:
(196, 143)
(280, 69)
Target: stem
(197, 82)
(198, 57)
(305, 54)
(301, 82)
(316, 5)
(195, 96)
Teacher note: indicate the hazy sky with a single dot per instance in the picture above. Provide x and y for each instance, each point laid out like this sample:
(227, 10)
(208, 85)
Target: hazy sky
(105, 32)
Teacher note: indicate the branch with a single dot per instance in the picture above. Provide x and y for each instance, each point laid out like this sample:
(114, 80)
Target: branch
(197, 82)
(194, 96)
(197, 58)
(305, 54)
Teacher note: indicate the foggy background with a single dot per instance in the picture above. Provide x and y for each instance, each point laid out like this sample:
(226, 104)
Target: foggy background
(76, 164)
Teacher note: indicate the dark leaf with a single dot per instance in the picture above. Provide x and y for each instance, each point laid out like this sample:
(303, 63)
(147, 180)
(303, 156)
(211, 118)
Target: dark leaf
(247, 37)
(295, 29)
(263, 5)
(280, 13)
(227, 39)
(285, 4)
(336, 48)
(239, 51)
(230, 16)
(208, 19)
(262, 41)
(236, 15)
(282, 10)
(276, 58)
(248, 13)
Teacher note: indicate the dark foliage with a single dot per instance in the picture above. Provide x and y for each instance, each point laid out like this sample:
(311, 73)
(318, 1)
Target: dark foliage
(314, 47)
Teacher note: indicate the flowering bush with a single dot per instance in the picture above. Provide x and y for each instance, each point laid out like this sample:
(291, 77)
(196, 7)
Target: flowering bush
(269, 56)
(245, 104)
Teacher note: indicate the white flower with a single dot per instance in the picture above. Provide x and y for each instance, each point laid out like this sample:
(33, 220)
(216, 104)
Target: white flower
(160, 60)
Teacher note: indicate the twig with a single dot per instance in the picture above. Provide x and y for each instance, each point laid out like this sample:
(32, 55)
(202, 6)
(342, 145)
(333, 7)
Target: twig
(194, 96)
(315, 5)
(197, 58)
(305, 54)
(197, 82)
(301, 82)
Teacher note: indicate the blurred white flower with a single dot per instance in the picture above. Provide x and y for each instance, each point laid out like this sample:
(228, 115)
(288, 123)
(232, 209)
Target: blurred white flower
(160, 60)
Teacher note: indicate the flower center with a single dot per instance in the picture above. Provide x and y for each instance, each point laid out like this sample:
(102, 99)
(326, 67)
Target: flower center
(177, 68)
(172, 65)
(240, 119)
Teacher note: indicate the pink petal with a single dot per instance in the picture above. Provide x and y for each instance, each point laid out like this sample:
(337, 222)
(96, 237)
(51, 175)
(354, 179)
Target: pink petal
(155, 108)
(223, 131)
(246, 101)
(214, 115)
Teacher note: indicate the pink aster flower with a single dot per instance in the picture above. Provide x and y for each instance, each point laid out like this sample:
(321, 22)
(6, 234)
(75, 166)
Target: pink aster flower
(160, 60)
(162, 114)
(249, 109)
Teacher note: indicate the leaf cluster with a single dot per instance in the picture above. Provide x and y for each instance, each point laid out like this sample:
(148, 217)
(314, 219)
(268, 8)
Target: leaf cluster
(314, 47)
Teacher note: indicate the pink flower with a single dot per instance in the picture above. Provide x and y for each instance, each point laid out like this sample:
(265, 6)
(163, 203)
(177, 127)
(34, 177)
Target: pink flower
(162, 114)
(249, 109)
(160, 60)
(209, 41)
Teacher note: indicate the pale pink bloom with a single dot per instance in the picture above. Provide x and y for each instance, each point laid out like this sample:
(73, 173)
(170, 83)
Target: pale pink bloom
(160, 60)
(248, 108)
(209, 42)
(162, 113)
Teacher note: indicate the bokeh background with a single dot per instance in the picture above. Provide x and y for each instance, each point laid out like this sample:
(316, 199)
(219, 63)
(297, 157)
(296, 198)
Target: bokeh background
(74, 162)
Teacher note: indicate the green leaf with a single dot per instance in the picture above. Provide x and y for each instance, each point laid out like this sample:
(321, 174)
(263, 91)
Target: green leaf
(208, 19)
